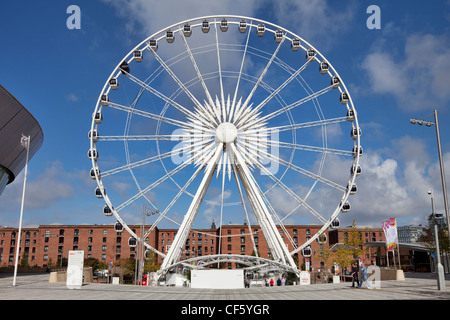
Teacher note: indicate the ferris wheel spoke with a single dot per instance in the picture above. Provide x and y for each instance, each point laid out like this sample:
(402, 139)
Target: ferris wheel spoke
(305, 172)
(263, 73)
(169, 101)
(219, 68)
(283, 85)
(296, 104)
(240, 73)
(292, 193)
(175, 78)
(152, 186)
(146, 161)
(182, 190)
(307, 148)
(149, 115)
(149, 137)
(308, 124)
(197, 70)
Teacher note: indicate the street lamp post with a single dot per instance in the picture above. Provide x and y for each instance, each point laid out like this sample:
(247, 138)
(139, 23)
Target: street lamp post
(141, 252)
(439, 268)
(25, 142)
(441, 161)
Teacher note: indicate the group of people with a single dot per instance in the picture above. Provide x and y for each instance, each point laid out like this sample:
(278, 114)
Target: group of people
(280, 282)
(268, 282)
(363, 273)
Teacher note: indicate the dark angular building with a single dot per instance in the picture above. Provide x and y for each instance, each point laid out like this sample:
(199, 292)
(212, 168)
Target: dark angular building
(15, 121)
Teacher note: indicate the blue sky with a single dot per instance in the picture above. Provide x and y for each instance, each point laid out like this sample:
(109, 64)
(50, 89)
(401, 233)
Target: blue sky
(398, 72)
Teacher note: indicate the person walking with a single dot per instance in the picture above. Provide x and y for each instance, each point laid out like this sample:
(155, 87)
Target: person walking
(354, 275)
(364, 277)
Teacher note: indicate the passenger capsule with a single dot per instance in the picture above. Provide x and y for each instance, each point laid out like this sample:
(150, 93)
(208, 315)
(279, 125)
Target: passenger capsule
(138, 56)
(335, 224)
(355, 133)
(98, 118)
(260, 29)
(99, 192)
(322, 238)
(350, 115)
(357, 151)
(323, 67)
(153, 44)
(353, 189)
(104, 100)
(93, 172)
(124, 67)
(169, 36)
(278, 36)
(107, 211)
(306, 252)
(93, 154)
(355, 170)
(310, 54)
(224, 25)
(343, 98)
(335, 82)
(93, 135)
(118, 227)
(345, 207)
(295, 44)
(242, 26)
(113, 83)
(132, 242)
(187, 30)
(205, 26)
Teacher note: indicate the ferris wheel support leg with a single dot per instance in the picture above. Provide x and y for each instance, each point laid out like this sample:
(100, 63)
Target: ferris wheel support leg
(183, 232)
(273, 237)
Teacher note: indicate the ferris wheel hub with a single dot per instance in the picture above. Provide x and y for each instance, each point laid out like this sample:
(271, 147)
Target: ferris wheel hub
(226, 132)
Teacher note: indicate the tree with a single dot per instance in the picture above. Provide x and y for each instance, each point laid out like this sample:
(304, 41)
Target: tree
(124, 267)
(24, 260)
(430, 240)
(151, 262)
(92, 262)
(351, 249)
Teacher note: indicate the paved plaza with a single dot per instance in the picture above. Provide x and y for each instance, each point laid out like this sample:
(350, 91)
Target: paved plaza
(37, 287)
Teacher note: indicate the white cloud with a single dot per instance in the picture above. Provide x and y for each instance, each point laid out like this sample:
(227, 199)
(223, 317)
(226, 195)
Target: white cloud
(418, 78)
(151, 16)
(72, 97)
(396, 185)
(315, 21)
(44, 192)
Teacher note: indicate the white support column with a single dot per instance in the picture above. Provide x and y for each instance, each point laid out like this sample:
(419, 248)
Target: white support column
(183, 232)
(273, 237)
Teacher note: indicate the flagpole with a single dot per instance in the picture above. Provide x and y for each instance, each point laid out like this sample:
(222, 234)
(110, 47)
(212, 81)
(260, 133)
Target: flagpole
(25, 142)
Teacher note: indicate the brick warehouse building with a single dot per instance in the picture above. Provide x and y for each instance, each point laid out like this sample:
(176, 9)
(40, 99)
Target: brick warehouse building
(49, 244)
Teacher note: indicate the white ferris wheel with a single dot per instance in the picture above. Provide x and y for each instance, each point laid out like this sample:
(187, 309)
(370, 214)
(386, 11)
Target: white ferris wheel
(228, 118)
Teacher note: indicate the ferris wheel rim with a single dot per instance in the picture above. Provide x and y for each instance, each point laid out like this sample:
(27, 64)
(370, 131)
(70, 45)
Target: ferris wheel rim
(116, 72)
